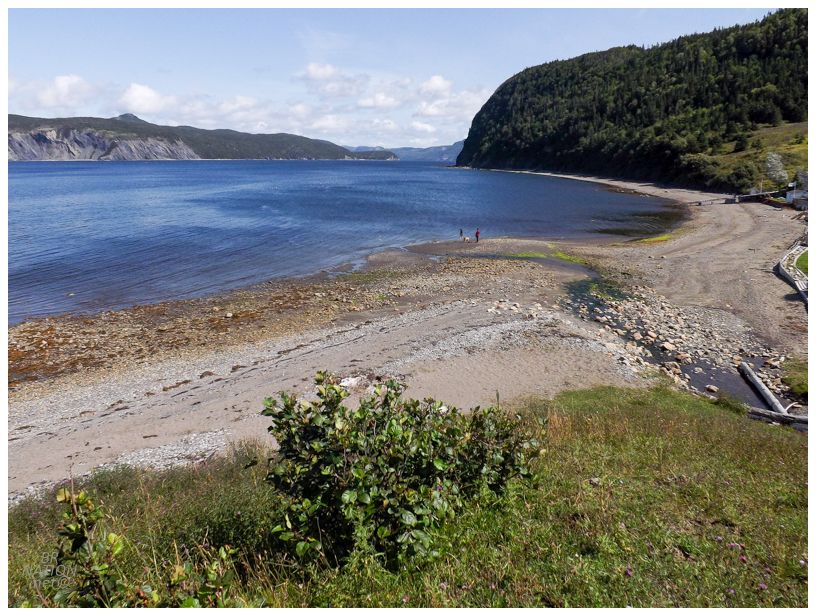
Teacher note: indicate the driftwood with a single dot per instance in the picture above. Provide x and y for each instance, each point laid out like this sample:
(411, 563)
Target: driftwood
(754, 380)
(783, 418)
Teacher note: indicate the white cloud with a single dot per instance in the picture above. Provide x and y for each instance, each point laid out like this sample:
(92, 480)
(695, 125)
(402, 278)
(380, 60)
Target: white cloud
(330, 81)
(237, 104)
(332, 103)
(436, 85)
(344, 88)
(385, 125)
(380, 100)
(423, 127)
(65, 91)
(321, 72)
(139, 98)
(459, 105)
(300, 110)
(331, 122)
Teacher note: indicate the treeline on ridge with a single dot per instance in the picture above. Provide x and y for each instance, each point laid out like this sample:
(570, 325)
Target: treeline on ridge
(662, 113)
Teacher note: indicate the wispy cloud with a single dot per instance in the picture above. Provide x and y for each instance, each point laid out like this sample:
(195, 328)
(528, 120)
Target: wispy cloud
(436, 86)
(139, 98)
(379, 100)
(327, 80)
(422, 127)
(320, 43)
(65, 92)
(321, 72)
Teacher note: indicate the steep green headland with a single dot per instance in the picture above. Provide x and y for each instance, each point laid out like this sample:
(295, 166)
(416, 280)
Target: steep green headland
(669, 112)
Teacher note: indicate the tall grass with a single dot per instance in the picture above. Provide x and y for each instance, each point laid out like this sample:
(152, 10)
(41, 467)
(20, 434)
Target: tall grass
(795, 376)
(641, 497)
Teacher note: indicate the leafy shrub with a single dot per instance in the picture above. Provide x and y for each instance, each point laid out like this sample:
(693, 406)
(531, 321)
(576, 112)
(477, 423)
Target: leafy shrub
(86, 571)
(382, 477)
(741, 143)
(87, 553)
(744, 176)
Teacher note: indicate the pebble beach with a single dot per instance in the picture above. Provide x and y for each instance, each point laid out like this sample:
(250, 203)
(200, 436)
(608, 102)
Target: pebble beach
(172, 383)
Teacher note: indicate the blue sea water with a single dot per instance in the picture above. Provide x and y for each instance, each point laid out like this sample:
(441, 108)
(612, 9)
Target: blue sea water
(90, 236)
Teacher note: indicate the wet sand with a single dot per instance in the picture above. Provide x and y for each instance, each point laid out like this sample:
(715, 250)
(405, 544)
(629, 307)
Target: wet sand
(177, 381)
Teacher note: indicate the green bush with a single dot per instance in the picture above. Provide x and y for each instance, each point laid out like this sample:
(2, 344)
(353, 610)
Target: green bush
(380, 479)
(383, 477)
(87, 569)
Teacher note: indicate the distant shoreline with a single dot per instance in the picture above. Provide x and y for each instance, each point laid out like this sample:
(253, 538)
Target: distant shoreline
(192, 160)
(679, 195)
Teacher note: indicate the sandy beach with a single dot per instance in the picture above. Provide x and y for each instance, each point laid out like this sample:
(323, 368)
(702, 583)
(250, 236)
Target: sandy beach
(176, 382)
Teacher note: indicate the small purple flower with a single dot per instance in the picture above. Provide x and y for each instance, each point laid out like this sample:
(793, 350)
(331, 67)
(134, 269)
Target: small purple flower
(718, 538)
(802, 562)
(405, 598)
(438, 488)
(763, 586)
(734, 545)
(743, 559)
(492, 586)
(730, 591)
(629, 572)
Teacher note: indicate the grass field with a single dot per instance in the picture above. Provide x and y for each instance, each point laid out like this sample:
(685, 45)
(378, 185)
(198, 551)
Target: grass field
(802, 263)
(796, 376)
(788, 140)
(640, 498)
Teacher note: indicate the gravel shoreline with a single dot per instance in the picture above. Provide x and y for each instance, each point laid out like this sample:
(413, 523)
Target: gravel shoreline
(168, 384)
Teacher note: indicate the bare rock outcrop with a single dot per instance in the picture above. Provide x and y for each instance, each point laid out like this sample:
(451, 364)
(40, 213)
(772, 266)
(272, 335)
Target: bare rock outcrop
(54, 144)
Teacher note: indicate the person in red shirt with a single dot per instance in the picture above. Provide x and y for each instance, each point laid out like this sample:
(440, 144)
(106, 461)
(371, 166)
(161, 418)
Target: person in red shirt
(477, 235)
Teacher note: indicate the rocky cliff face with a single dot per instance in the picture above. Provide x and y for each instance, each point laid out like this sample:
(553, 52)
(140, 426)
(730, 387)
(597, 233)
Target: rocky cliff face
(53, 144)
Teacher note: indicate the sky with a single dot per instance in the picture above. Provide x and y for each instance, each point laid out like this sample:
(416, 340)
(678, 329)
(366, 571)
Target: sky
(353, 76)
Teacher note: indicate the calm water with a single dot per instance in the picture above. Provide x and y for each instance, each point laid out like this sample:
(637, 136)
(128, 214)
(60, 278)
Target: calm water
(89, 236)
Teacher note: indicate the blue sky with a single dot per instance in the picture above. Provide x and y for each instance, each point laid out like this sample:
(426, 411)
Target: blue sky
(355, 77)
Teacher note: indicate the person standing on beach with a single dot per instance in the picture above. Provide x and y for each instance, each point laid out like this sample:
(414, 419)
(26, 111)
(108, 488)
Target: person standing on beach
(461, 234)
(477, 235)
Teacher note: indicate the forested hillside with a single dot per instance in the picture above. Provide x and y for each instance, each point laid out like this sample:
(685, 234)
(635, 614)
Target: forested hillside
(667, 113)
(127, 137)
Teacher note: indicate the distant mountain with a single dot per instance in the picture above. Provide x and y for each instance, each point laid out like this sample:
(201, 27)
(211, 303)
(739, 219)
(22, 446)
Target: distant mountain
(129, 117)
(439, 153)
(665, 112)
(364, 148)
(128, 137)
